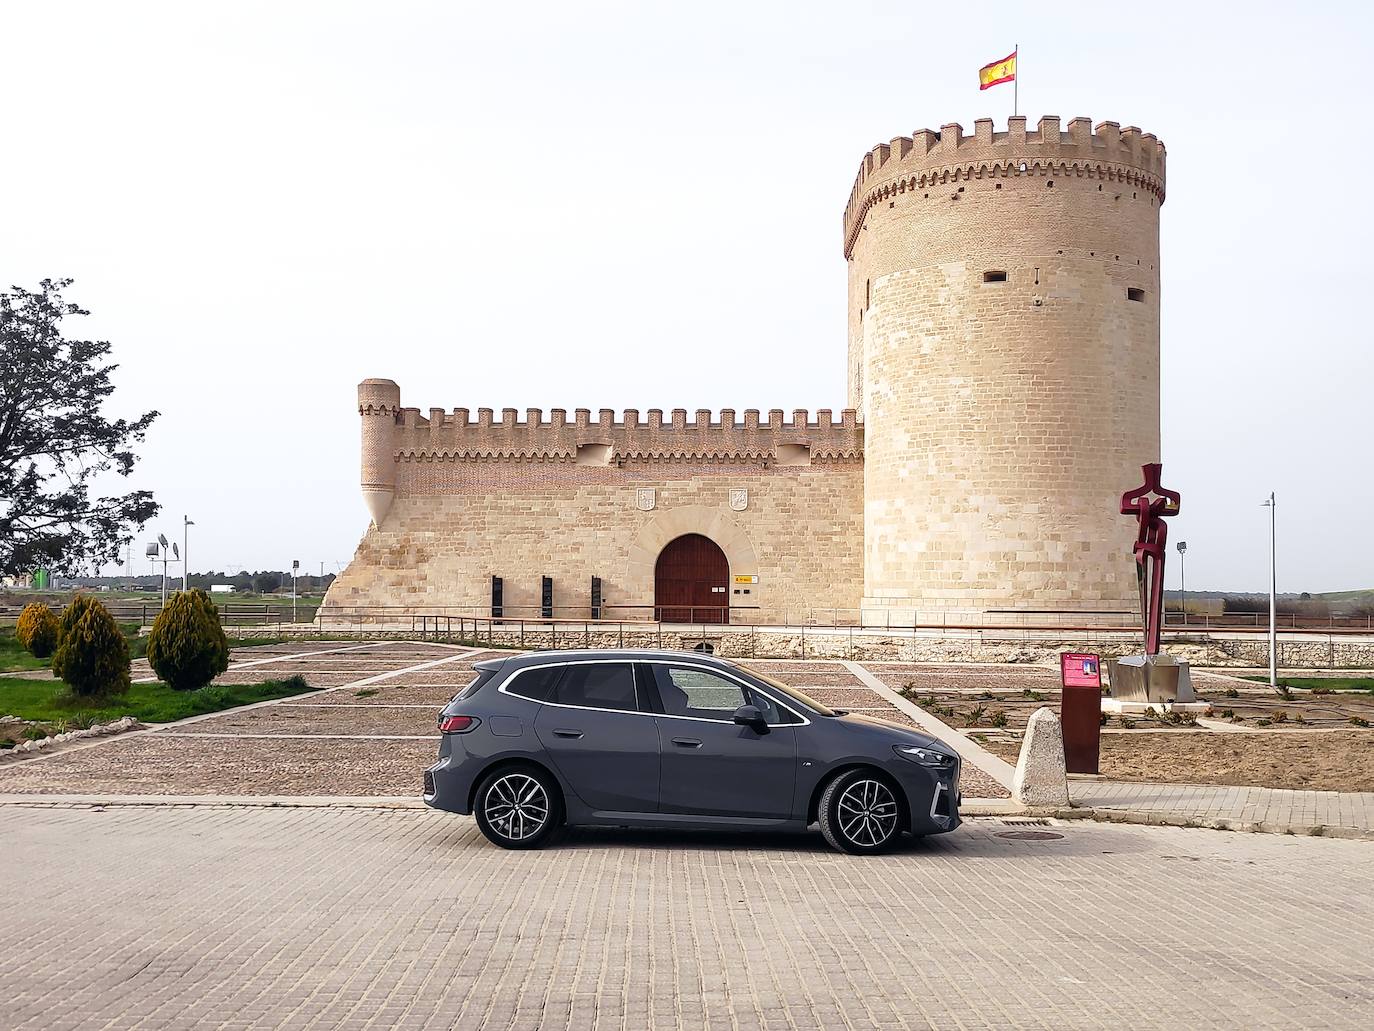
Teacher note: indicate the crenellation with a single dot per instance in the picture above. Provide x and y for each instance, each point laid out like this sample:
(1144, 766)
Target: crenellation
(1106, 152)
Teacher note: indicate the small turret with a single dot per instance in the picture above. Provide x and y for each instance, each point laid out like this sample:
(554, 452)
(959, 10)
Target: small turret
(379, 403)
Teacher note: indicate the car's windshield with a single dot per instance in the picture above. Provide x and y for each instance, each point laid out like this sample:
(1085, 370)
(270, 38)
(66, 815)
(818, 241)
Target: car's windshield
(790, 692)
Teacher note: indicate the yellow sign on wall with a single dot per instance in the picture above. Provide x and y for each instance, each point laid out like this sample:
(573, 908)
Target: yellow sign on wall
(746, 579)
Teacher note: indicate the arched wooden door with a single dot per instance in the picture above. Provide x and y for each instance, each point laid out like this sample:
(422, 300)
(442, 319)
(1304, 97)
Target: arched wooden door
(692, 582)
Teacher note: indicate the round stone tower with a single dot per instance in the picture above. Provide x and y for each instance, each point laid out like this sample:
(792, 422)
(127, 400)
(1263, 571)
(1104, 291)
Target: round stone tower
(1004, 350)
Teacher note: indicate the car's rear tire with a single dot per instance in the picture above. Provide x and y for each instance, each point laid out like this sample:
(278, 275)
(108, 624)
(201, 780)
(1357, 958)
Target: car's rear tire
(518, 807)
(860, 812)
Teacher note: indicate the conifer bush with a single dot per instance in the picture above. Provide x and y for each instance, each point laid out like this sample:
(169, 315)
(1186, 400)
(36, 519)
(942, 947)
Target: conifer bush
(38, 630)
(186, 645)
(92, 655)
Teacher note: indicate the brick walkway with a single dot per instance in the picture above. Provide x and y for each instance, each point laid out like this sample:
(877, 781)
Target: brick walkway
(156, 917)
(1276, 808)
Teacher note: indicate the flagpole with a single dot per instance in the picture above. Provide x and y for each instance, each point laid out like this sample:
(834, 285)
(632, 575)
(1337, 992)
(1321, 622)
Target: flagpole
(1016, 81)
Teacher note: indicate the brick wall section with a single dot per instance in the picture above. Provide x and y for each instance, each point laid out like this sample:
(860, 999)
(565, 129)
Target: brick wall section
(1004, 419)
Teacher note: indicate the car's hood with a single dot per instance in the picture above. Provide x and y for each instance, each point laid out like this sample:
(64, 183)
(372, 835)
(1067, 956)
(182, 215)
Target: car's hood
(898, 733)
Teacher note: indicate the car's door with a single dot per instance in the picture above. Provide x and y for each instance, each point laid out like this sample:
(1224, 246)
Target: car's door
(597, 734)
(710, 765)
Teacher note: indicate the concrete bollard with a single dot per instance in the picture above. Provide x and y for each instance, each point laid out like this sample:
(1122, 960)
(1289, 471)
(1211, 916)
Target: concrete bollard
(1041, 779)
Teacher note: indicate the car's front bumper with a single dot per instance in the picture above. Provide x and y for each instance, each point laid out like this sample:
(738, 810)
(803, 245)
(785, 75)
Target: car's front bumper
(932, 795)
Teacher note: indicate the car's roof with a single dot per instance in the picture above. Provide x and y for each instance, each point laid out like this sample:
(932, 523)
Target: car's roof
(601, 655)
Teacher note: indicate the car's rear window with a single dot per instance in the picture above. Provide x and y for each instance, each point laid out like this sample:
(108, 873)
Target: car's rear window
(599, 685)
(535, 684)
(483, 675)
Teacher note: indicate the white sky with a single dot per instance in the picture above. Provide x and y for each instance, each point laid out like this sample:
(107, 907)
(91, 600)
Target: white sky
(638, 205)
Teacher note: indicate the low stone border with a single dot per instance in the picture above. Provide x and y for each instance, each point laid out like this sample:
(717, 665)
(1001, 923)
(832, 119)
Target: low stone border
(25, 748)
(1164, 819)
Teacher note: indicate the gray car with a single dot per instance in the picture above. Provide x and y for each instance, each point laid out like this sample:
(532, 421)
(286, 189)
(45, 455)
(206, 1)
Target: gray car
(678, 739)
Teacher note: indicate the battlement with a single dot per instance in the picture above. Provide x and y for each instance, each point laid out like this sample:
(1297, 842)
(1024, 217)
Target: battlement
(1105, 151)
(465, 434)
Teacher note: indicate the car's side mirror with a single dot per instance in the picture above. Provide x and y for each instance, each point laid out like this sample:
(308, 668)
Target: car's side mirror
(749, 716)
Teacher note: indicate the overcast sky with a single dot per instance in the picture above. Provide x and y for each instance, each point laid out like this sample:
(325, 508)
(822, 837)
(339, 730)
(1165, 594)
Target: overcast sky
(638, 205)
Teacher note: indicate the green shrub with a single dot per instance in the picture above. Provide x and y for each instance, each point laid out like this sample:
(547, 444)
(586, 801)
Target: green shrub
(92, 655)
(186, 645)
(38, 630)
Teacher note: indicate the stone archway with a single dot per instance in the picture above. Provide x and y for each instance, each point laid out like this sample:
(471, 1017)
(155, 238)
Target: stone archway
(692, 582)
(666, 526)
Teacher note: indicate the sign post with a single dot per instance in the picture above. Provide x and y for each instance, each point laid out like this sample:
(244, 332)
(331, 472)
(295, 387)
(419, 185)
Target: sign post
(1080, 710)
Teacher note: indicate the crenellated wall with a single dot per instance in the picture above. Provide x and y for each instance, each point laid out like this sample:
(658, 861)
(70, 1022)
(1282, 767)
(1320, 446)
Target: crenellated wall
(459, 496)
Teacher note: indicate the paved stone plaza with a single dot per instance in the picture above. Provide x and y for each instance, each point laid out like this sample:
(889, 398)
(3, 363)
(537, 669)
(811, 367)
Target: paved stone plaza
(179, 917)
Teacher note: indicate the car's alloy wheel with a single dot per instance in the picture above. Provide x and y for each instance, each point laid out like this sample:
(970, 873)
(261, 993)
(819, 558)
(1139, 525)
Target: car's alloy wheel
(518, 808)
(859, 813)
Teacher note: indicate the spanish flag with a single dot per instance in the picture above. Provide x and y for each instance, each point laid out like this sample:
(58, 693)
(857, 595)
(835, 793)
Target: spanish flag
(997, 72)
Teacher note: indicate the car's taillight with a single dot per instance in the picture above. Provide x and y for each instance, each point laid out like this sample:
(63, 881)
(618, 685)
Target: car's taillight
(457, 724)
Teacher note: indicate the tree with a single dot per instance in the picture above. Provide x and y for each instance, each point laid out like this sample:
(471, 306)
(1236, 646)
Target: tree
(92, 657)
(54, 441)
(186, 644)
(38, 629)
(267, 581)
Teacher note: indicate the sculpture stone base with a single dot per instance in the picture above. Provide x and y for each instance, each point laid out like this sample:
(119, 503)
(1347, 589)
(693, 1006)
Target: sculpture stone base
(1150, 679)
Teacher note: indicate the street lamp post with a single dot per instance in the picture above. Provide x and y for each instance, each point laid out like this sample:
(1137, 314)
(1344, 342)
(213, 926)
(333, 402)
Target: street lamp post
(186, 524)
(162, 540)
(295, 565)
(1272, 505)
(1182, 591)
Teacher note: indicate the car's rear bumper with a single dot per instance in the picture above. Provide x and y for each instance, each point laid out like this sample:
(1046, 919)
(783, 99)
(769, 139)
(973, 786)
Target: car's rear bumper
(448, 786)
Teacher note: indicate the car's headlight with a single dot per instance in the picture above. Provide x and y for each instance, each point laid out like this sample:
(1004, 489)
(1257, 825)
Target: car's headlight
(926, 756)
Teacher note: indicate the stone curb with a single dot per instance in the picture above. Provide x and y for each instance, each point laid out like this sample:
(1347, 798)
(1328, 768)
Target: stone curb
(28, 748)
(975, 810)
(1152, 818)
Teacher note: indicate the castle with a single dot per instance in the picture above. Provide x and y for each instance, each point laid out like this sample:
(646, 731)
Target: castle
(1003, 390)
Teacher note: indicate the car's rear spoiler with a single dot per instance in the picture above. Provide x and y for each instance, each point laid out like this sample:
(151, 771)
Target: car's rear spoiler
(491, 665)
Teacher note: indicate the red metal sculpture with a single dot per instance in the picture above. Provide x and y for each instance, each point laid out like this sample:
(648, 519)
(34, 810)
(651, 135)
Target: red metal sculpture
(1151, 547)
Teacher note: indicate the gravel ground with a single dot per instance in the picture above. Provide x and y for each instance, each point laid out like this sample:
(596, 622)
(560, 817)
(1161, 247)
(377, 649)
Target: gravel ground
(149, 765)
(1334, 760)
(354, 719)
(388, 694)
(807, 680)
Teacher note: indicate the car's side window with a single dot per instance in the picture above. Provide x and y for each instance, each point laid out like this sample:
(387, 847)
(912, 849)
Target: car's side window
(536, 684)
(598, 685)
(698, 693)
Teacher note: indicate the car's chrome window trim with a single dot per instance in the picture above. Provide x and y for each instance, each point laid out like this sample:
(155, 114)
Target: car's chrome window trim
(805, 722)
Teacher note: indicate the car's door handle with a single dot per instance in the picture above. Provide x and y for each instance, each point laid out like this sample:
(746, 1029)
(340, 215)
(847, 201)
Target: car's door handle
(567, 733)
(687, 742)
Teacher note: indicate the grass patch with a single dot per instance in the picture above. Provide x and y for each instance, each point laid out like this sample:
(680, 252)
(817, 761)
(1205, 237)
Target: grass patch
(14, 657)
(50, 701)
(1322, 684)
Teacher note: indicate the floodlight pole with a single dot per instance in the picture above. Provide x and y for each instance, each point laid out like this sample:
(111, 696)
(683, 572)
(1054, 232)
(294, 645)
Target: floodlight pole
(295, 565)
(164, 576)
(1272, 505)
(186, 524)
(1182, 591)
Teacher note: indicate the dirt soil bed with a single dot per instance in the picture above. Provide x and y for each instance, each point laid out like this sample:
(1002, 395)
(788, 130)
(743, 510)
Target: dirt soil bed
(147, 765)
(1333, 760)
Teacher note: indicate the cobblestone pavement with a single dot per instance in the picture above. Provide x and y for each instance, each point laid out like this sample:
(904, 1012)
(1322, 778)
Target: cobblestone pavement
(155, 917)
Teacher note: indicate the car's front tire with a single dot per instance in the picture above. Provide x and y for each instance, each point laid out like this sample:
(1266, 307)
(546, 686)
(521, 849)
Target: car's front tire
(860, 813)
(518, 807)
